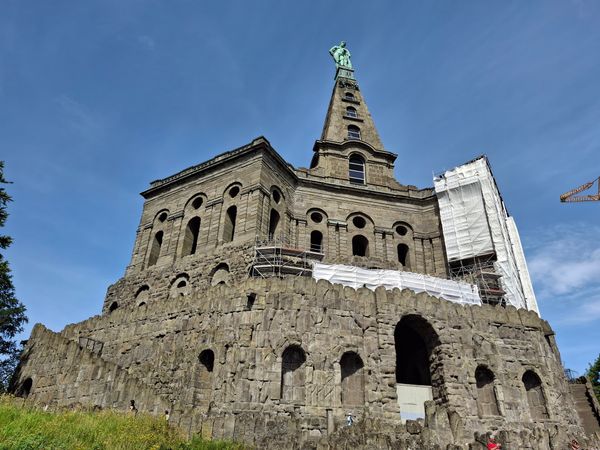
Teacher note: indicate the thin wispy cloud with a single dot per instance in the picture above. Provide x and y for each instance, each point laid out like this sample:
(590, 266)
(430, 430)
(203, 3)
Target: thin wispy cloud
(566, 258)
(564, 263)
(78, 116)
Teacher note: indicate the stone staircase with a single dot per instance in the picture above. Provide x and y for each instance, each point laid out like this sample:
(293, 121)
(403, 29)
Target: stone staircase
(586, 406)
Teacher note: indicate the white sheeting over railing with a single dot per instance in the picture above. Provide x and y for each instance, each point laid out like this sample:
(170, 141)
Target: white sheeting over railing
(356, 277)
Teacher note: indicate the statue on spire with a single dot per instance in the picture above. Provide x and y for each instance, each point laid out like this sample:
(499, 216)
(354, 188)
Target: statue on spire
(341, 56)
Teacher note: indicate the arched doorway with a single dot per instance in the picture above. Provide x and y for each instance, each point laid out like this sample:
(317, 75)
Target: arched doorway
(415, 341)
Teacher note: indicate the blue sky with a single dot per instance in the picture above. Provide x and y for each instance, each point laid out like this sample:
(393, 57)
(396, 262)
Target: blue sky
(98, 98)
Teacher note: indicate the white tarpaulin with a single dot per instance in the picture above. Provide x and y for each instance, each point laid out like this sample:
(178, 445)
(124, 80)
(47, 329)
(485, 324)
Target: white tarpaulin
(357, 277)
(522, 266)
(475, 223)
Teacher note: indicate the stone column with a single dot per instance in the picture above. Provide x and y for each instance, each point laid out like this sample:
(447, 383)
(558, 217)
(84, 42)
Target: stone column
(390, 248)
(302, 240)
(419, 263)
(438, 254)
(428, 256)
(214, 212)
(176, 231)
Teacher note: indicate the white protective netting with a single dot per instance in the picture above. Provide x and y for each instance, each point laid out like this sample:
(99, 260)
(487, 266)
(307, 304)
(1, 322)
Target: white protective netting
(356, 277)
(475, 223)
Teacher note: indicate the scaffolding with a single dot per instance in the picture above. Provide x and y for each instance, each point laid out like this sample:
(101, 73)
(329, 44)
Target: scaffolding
(481, 272)
(277, 257)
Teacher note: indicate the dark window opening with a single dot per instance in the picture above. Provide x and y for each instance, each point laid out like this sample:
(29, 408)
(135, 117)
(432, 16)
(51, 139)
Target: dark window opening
(142, 303)
(197, 202)
(316, 241)
(316, 217)
(190, 239)
(229, 229)
(234, 191)
(113, 306)
(353, 385)
(207, 359)
(273, 223)
(276, 196)
(359, 222)
(487, 403)
(349, 95)
(163, 216)
(292, 375)
(403, 255)
(351, 112)
(535, 395)
(250, 299)
(401, 230)
(356, 172)
(155, 248)
(353, 132)
(360, 246)
(182, 284)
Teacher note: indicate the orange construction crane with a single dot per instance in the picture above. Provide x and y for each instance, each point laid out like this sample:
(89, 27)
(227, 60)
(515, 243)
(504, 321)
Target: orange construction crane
(571, 197)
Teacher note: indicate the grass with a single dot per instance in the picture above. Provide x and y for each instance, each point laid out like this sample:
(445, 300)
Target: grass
(25, 427)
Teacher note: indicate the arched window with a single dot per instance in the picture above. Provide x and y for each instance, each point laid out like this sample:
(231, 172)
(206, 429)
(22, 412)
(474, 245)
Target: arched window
(360, 246)
(229, 228)
(349, 95)
(353, 132)
(535, 395)
(403, 255)
(207, 359)
(180, 286)
(353, 385)
(142, 295)
(292, 374)
(190, 239)
(155, 248)
(356, 169)
(220, 275)
(316, 241)
(273, 223)
(351, 111)
(487, 403)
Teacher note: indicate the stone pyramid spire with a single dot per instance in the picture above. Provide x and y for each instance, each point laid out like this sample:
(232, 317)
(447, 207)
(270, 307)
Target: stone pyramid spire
(350, 149)
(348, 117)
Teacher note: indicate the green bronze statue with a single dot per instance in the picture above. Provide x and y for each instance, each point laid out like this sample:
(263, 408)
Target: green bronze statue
(341, 56)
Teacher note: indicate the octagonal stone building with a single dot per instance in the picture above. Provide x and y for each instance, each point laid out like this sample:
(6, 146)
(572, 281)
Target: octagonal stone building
(267, 303)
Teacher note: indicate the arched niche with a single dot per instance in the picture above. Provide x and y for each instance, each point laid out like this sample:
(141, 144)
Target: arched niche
(535, 395)
(487, 403)
(293, 359)
(353, 382)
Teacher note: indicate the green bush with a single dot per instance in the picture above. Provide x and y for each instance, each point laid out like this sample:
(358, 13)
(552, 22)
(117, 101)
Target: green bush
(24, 427)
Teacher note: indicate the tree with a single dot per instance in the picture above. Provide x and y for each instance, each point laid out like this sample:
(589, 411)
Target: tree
(593, 373)
(12, 312)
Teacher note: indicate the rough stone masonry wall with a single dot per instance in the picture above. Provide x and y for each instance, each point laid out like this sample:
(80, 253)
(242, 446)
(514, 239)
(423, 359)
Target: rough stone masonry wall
(159, 345)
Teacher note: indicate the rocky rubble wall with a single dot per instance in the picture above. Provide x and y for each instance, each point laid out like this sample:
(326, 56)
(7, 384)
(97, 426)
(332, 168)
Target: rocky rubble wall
(160, 342)
(64, 374)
